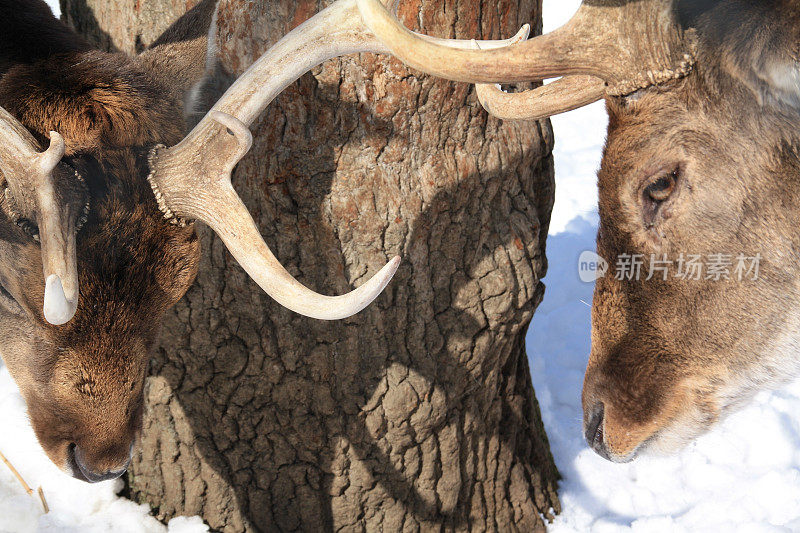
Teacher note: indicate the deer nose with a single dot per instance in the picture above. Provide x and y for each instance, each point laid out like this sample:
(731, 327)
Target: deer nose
(83, 469)
(593, 430)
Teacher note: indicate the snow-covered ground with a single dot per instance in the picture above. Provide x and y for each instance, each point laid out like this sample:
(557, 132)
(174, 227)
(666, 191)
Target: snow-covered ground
(75, 506)
(744, 476)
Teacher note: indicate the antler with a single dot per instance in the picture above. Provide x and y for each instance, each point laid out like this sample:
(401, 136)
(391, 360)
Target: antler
(564, 94)
(192, 179)
(609, 46)
(43, 191)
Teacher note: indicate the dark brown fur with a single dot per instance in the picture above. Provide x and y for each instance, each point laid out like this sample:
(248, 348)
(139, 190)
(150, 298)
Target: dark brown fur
(31, 33)
(83, 381)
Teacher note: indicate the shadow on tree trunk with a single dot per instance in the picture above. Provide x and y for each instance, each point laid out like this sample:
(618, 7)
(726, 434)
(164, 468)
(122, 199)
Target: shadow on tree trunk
(79, 16)
(485, 407)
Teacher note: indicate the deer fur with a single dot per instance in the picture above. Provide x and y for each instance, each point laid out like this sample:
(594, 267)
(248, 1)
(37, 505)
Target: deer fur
(83, 381)
(671, 358)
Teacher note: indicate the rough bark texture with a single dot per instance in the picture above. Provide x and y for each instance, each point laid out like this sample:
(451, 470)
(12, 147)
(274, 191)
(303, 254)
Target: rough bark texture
(418, 413)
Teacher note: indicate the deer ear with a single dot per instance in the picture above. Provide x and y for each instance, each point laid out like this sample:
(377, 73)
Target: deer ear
(184, 60)
(754, 42)
(31, 33)
(689, 11)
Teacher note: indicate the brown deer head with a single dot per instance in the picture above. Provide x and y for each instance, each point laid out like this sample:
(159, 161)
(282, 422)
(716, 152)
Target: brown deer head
(701, 161)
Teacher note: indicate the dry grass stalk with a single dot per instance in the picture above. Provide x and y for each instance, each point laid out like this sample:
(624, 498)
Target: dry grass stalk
(14, 471)
(44, 502)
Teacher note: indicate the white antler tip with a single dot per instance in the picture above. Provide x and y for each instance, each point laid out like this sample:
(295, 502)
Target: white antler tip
(54, 153)
(389, 270)
(523, 33)
(57, 309)
(385, 276)
(57, 145)
(369, 291)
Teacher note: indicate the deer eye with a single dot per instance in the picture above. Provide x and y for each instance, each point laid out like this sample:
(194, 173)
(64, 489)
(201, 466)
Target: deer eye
(658, 190)
(662, 188)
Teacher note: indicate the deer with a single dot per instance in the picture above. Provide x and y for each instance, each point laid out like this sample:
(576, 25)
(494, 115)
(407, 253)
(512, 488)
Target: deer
(108, 164)
(701, 158)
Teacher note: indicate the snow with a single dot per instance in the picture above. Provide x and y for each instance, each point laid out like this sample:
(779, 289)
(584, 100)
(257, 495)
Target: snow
(74, 505)
(54, 6)
(743, 476)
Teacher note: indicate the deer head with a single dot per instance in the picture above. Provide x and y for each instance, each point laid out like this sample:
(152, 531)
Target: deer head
(701, 161)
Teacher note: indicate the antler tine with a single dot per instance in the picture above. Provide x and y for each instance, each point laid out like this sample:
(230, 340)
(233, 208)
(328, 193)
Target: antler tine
(335, 31)
(628, 45)
(536, 59)
(564, 94)
(192, 179)
(30, 176)
(470, 44)
(199, 183)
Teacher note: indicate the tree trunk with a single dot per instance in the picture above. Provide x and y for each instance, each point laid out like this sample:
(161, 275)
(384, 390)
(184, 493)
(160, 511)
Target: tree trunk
(419, 412)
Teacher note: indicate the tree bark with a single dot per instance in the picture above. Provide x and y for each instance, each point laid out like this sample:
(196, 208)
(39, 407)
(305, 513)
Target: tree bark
(419, 412)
